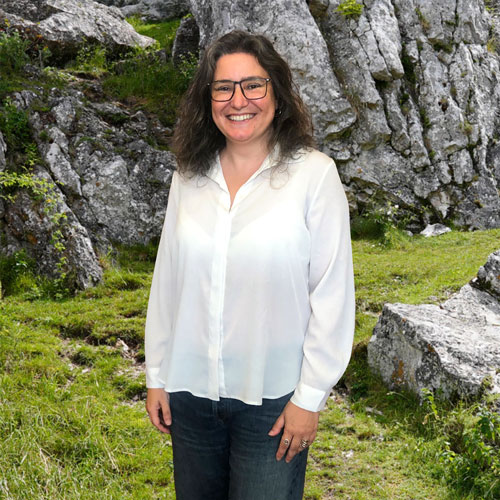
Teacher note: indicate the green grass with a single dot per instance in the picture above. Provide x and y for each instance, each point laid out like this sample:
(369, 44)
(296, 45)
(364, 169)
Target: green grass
(163, 33)
(72, 415)
(144, 80)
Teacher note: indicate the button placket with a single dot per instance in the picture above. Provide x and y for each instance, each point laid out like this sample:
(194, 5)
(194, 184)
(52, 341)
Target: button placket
(216, 337)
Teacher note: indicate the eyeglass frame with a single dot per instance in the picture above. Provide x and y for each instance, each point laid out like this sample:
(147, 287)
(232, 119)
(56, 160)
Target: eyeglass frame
(267, 80)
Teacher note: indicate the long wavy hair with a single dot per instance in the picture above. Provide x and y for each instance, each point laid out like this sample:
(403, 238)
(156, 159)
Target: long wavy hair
(197, 139)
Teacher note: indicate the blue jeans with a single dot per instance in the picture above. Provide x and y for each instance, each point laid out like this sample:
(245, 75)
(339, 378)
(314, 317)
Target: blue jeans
(222, 451)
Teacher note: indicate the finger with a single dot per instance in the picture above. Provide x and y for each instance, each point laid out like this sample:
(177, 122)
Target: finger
(285, 441)
(166, 416)
(278, 425)
(298, 446)
(293, 449)
(156, 416)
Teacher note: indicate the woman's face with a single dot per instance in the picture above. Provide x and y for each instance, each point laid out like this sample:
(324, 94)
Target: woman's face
(241, 120)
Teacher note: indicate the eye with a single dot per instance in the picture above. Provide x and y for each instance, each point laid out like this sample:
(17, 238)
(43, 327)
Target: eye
(253, 84)
(222, 88)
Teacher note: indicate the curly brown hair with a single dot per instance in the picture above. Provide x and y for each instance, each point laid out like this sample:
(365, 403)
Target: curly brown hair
(197, 139)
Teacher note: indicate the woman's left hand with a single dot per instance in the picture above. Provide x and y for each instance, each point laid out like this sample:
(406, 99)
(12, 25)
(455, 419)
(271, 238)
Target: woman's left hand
(299, 430)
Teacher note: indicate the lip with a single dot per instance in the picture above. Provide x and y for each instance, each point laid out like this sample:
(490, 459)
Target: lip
(240, 118)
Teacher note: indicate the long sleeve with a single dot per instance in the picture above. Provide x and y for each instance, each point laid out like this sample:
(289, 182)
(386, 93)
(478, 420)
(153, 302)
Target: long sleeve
(328, 340)
(159, 320)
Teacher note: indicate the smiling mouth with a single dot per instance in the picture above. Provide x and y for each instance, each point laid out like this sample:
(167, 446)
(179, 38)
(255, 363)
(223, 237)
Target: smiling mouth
(240, 118)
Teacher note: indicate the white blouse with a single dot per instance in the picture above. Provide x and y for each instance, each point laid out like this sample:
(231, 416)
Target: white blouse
(254, 300)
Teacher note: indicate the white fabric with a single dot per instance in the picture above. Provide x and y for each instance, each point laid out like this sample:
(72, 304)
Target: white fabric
(255, 300)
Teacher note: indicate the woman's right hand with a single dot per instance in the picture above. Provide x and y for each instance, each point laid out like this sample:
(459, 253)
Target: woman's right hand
(158, 408)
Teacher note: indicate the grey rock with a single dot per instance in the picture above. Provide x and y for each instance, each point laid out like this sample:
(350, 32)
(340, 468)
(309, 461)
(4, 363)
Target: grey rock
(114, 181)
(425, 86)
(29, 227)
(305, 51)
(453, 348)
(67, 25)
(488, 276)
(150, 10)
(187, 41)
(110, 183)
(434, 230)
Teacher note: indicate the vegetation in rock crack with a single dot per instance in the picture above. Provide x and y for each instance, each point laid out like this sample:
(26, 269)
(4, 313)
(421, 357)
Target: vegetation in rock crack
(72, 416)
(20, 177)
(350, 8)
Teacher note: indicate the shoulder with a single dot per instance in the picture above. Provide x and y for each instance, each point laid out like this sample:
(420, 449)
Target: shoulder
(312, 162)
(313, 167)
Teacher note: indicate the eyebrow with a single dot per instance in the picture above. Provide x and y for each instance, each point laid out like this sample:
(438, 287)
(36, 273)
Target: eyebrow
(246, 78)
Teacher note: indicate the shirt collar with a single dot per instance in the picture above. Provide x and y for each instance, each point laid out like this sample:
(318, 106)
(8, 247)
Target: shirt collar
(215, 172)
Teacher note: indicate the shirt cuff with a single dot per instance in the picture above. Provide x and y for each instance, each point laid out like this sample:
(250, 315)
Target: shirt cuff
(309, 398)
(152, 381)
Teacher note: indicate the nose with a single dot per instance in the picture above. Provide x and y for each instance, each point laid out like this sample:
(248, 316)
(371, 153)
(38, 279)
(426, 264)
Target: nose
(239, 100)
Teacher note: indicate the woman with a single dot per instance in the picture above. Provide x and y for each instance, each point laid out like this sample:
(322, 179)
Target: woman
(251, 313)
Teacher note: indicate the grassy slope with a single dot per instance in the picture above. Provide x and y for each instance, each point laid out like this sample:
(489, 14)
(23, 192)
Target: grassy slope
(72, 423)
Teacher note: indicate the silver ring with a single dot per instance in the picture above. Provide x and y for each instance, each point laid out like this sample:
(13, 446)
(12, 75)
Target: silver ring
(286, 442)
(304, 443)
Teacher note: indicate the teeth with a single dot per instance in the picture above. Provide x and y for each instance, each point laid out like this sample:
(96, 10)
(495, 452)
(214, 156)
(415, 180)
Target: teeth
(239, 118)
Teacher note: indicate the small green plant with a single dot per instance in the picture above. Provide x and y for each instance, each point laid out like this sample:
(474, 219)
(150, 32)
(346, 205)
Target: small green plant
(350, 8)
(384, 223)
(13, 52)
(14, 125)
(92, 59)
(492, 44)
(424, 22)
(473, 462)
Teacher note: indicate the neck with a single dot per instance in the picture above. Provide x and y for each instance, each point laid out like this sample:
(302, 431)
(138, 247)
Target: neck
(241, 156)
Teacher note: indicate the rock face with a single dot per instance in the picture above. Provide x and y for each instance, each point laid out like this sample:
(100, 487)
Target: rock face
(423, 79)
(65, 25)
(290, 26)
(151, 10)
(112, 184)
(453, 349)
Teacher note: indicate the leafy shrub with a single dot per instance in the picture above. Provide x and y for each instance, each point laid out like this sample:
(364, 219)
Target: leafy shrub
(16, 271)
(15, 126)
(470, 446)
(384, 223)
(13, 52)
(350, 8)
(473, 462)
(91, 59)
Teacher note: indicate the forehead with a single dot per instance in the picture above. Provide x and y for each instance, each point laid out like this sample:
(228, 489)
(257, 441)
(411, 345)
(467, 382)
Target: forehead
(238, 66)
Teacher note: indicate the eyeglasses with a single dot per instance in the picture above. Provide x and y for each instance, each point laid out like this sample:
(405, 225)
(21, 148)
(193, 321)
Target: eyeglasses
(251, 88)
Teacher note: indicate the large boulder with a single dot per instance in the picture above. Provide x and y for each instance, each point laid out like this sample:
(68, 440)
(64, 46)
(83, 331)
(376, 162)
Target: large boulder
(423, 78)
(150, 10)
(67, 25)
(488, 276)
(187, 41)
(452, 349)
(291, 27)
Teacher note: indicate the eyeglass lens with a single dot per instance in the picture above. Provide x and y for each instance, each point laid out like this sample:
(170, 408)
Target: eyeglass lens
(252, 88)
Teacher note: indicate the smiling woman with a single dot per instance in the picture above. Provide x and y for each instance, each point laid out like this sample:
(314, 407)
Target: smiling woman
(251, 312)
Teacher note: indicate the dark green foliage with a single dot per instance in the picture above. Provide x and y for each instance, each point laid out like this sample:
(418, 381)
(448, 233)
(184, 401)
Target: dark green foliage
(15, 126)
(13, 52)
(16, 271)
(144, 78)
